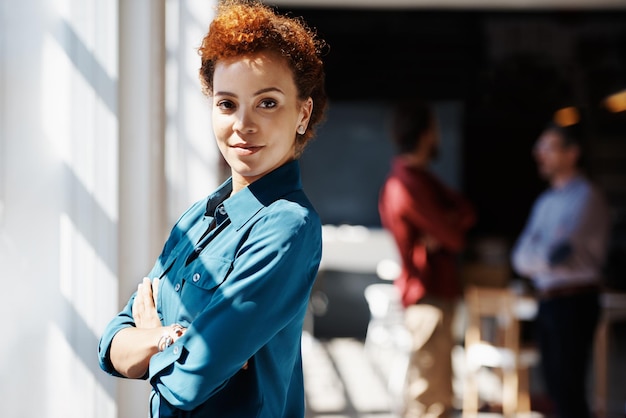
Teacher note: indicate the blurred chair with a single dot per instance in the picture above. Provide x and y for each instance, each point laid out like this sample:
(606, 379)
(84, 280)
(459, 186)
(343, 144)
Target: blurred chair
(492, 340)
(387, 341)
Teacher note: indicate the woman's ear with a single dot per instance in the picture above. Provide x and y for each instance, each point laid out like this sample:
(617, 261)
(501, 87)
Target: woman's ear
(305, 113)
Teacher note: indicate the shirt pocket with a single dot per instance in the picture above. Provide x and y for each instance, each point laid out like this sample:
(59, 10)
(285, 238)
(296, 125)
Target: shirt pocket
(200, 281)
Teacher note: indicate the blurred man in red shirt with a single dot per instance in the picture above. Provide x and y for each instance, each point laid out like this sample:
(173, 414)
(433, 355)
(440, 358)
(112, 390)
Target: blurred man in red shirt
(428, 221)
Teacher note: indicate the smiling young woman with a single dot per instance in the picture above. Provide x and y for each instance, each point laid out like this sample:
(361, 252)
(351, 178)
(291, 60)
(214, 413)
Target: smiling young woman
(257, 114)
(216, 325)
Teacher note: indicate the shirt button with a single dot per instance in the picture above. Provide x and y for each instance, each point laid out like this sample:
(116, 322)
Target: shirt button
(222, 210)
(177, 287)
(175, 350)
(196, 277)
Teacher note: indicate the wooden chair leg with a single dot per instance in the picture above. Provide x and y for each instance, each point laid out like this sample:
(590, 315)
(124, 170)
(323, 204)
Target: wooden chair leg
(470, 396)
(523, 397)
(509, 393)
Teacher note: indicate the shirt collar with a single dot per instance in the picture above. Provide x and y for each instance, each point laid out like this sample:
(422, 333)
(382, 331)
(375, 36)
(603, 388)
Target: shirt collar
(243, 205)
(570, 183)
(400, 164)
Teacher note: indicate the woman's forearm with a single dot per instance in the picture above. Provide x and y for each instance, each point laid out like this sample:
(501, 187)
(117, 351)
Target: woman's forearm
(132, 348)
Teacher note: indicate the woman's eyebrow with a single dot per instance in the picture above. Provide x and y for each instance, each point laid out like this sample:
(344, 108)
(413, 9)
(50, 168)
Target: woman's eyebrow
(265, 90)
(225, 93)
(268, 89)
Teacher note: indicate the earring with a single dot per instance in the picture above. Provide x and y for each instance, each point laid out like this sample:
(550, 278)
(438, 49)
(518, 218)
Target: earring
(301, 130)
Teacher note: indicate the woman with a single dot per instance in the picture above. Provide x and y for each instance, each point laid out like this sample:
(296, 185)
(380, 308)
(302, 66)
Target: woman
(216, 327)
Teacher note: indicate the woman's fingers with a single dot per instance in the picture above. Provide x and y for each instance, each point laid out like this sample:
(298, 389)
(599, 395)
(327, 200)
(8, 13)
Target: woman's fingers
(144, 306)
(139, 302)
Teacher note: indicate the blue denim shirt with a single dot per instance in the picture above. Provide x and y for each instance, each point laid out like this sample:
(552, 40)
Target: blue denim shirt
(242, 291)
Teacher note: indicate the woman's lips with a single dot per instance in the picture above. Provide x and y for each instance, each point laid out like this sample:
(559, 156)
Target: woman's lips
(245, 149)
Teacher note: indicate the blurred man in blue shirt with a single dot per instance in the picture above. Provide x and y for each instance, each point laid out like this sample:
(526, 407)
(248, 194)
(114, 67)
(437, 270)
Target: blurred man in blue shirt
(562, 249)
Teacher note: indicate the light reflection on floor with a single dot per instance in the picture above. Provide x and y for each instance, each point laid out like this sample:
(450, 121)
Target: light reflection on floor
(340, 382)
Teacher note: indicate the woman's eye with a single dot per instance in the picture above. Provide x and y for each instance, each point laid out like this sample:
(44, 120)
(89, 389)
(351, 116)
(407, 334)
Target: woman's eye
(268, 104)
(225, 105)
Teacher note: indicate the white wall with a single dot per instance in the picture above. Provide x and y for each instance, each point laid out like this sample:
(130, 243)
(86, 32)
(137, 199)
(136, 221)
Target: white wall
(193, 166)
(58, 259)
(83, 188)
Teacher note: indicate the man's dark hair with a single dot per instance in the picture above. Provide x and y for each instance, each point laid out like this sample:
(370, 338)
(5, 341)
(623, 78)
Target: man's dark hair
(571, 134)
(411, 118)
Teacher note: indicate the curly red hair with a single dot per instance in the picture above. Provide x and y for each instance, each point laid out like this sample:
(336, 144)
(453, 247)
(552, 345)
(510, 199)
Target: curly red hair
(244, 27)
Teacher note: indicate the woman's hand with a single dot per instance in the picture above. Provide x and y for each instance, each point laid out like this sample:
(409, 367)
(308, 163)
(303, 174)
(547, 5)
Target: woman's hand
(146, 316)
(144, 307)
(132, 347)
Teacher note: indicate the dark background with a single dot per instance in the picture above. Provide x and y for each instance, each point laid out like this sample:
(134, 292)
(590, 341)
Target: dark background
(509, 70)
(504, 74)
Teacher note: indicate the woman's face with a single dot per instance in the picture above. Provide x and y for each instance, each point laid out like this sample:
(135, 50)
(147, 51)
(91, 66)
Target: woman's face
(256, 114)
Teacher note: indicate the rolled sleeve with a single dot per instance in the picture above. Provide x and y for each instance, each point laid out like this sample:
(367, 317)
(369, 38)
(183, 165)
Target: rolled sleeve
(123, 320)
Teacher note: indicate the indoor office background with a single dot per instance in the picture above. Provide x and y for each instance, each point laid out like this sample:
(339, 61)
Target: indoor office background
(105, 138)
(494, 77)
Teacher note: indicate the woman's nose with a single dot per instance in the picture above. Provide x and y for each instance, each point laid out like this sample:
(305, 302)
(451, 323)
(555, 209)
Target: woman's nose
(244, 122)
